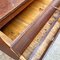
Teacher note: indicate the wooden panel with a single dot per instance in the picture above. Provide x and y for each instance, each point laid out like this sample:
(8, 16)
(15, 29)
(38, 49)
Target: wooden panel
(7, 6)
(6, 49)
(53, 52)
(41, 48)
(32, 11)
(6, 19)
(5, 38)
(26, 17)
(14, 28)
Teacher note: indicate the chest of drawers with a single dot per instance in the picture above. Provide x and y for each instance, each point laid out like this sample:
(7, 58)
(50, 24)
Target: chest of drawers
(16, 27)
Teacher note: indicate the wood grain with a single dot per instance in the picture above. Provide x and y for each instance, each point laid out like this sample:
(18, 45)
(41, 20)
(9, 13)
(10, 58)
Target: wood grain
(10, 15)
(26, 17)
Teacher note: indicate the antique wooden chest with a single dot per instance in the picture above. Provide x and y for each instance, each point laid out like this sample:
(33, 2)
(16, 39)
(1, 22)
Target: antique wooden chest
(28, 27)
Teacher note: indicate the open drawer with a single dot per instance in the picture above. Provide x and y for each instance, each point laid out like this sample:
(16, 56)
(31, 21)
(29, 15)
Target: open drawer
(17, 25)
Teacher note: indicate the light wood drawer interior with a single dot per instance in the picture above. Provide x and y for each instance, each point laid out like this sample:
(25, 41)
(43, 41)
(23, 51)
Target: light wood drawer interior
(24, 19)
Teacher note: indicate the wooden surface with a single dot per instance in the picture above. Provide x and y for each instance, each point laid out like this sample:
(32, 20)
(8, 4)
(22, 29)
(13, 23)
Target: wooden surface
(7, 6)
(18, 24)
(37, 39)
(41, 48)
(13, 13)
(3, 56)
(26, 17)
(5, 38)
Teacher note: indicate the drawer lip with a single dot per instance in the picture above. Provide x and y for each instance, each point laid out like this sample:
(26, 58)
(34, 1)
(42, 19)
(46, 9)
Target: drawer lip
(12, 10)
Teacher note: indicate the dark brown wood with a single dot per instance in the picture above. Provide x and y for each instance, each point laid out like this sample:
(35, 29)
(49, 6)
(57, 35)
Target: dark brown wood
(6, 49)
(22, 42)
(10, 8)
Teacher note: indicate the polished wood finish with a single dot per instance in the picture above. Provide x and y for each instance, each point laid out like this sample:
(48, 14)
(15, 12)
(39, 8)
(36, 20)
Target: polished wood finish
(10, 9)
(6, 49)
(24, 19)
(26, 38)
(54, 49)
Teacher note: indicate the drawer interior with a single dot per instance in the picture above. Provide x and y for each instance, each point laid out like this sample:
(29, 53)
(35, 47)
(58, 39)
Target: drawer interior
(24, 19)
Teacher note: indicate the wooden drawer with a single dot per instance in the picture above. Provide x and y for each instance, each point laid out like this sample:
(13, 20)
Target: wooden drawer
(18, 25)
